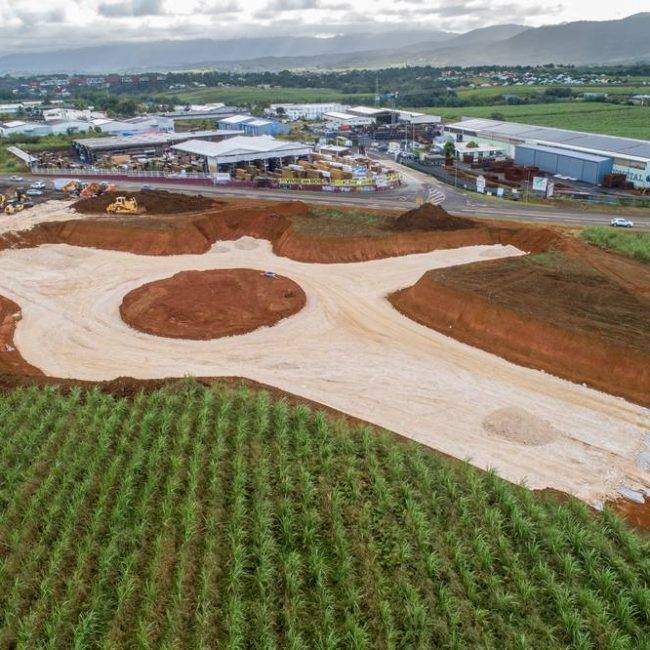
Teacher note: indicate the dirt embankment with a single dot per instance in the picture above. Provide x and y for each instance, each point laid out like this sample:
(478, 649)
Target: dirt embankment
(281, 224)
(154, 201)
(211, 304)
(551, 312)
(11, 361)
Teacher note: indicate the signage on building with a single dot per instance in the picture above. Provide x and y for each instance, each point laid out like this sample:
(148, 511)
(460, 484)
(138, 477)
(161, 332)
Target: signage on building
(222, 177)
(550, 188)
(539, 183)
(500, 192)
(480, 184)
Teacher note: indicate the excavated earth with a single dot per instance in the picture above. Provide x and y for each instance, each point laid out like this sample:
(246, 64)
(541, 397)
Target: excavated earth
(211, 304)
(552, 311)
(154, 201)
(582, 314)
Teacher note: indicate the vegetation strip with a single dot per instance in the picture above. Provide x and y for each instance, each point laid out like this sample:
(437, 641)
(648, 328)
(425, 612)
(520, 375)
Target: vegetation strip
(196, 514)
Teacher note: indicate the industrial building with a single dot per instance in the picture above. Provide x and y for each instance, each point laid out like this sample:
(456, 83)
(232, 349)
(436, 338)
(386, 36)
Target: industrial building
(336, 119)
(305, 111)
(145, 144)
(585, 167)
(628, 156)
(252, 125)
(224, 156)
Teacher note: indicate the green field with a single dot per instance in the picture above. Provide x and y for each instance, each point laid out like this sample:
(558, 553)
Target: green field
(631, 244)
(527, 91)
(194, 517)
(610, 119)
(252, 95)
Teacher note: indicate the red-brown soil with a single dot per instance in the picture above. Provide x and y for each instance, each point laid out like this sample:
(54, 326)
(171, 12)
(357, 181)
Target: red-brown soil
(552, 312)
(636, 514)
(211, 304)
(430, 217)
(154, 201)
(11, 360)
(282, 223)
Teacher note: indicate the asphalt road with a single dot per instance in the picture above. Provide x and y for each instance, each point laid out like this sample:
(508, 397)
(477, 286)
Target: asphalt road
(404, 198)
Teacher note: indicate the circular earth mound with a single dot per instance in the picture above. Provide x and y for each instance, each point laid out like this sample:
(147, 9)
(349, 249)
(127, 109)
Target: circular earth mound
(211, 304)
(154, 201)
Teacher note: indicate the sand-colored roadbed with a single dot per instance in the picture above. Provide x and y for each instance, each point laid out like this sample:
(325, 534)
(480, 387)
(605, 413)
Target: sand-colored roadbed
(348, 348)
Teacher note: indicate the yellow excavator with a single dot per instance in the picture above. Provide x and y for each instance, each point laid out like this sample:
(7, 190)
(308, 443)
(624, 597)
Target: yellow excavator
(122, 205)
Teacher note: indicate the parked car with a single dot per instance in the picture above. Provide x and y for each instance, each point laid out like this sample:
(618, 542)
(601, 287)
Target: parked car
(38, 185)
(621, 222)
(16, 179)
(32, 192)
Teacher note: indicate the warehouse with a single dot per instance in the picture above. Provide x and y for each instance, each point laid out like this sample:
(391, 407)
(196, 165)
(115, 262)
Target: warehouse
(252, 125)
(143, 144)
(629, 156)
(305, 111)
(585, 167)
(336, 120)
(264, 149)
(377, 115)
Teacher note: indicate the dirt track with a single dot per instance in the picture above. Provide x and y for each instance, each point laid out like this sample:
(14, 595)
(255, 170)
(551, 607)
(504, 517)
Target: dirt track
(348, 348)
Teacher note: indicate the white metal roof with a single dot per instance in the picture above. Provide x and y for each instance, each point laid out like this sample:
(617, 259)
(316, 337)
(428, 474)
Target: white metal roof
(368, 111)
(588, 142)
(14, 123)
(242, 148)
(259, 123)
(236, 119)
(337, 115)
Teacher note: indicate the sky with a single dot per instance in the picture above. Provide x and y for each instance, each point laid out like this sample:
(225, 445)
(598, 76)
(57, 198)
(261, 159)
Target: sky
(37, 25)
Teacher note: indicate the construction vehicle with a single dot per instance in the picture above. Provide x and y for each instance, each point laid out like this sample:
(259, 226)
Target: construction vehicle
(122, 205)
(13, 206)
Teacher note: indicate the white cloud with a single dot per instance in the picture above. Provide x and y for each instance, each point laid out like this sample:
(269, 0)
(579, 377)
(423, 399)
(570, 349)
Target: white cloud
(53, 24)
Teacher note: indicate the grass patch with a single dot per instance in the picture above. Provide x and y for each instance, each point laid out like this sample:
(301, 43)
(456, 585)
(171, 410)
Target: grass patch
(332, 222)
(632, 244)
(194, 516)
(610, 119)
(249, 95)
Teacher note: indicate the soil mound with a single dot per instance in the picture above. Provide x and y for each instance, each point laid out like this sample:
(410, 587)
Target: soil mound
(10, 359)
(154, 201)
(211, 304)
(518, 425)
(430, 217)
(551, 312)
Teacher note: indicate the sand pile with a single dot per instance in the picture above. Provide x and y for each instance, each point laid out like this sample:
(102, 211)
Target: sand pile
(518, 425)
(430, 217)
(211, 304)
(155, 201)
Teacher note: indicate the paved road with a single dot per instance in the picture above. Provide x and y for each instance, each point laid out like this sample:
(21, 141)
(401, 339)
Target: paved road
(404, 198)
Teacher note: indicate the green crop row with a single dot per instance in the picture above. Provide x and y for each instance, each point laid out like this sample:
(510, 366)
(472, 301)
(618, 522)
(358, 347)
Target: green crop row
(200, 516)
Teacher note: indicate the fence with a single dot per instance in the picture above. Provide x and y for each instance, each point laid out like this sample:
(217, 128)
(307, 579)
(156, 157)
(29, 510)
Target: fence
(390, 181)
(590, 199)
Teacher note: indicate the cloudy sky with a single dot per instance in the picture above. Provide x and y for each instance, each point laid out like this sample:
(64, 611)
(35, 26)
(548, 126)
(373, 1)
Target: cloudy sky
(30, 25)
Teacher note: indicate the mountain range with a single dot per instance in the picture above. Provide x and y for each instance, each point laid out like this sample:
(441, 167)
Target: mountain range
(582, 43)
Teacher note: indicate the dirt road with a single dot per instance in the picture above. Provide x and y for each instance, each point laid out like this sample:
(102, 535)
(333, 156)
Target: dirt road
(348, 348)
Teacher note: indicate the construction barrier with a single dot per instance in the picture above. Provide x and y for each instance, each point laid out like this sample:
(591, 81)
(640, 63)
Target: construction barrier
(388, 181)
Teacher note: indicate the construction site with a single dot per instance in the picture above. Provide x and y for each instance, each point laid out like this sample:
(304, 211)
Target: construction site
(481, 339)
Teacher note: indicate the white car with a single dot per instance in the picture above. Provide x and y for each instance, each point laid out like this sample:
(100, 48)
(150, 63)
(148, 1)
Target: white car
(38, 185)
(33, 192)
(16, 179)
(620, 222)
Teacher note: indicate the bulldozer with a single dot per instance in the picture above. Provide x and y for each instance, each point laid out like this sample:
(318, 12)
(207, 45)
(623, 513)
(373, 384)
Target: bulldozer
(122, 205)
(13, 207)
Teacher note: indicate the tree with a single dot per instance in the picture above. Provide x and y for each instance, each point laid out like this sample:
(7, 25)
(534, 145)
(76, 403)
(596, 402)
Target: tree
(449, 150)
